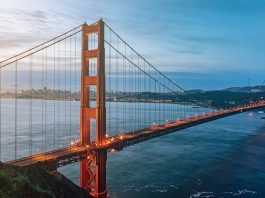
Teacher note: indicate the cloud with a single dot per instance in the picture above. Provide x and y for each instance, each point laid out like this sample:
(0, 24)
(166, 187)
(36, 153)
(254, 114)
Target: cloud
(209, 39)
(23, 29)
(190, 51)
(174, 35)
(14, 40)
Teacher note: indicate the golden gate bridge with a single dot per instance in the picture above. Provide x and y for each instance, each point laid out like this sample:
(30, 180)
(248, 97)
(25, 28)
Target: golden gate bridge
(85, 93)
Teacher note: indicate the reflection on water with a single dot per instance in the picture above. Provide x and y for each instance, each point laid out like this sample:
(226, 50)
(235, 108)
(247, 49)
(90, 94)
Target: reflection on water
(224, 158)
(53, 124)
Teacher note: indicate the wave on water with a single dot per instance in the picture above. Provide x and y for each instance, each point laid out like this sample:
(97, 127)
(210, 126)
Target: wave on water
(222, 194)
(240, 192)
(151, 188)
(202, 194)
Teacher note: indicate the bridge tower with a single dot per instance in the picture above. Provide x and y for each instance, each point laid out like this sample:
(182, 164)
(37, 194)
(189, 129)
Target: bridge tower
(93, 110)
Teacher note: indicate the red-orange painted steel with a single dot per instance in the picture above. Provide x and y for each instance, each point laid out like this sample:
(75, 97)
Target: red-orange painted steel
(93, 168)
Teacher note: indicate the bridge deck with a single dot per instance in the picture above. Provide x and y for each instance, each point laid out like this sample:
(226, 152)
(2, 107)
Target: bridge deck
(57, 158)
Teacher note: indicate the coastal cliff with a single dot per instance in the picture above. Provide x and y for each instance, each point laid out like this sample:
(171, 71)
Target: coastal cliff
(17, 182)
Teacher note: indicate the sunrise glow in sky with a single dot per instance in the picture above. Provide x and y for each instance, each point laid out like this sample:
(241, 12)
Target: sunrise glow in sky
(199, 43)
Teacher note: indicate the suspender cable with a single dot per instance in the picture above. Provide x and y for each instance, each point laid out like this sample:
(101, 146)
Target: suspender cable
(109, 91)
(64, 92)
(170, 104)
(135, 92)
(40, 47)
(16, 110)
(155, 105)
(174, 112)
(145, 120)
(30, 105)
(0, 114)
(176, 85)
(46, 98)
(116, 91)
(59, 94)
(123, 89)
(157, 81)
(150, 96)
(159, 101)
(70, 88)
(31, 93)
(75, 73)
(138, 90)
(130, 95)
(54, 98)
(42, 98)
(165, 115)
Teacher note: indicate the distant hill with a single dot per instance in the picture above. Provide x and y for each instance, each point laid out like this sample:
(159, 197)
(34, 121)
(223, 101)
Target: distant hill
(194, 91)
(229, 97)
(249, 89)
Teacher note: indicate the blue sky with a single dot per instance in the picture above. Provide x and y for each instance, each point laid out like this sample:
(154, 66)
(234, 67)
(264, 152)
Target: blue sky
(204, 44)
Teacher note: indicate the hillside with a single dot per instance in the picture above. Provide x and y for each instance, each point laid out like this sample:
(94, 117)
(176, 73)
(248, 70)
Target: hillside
(16, 182)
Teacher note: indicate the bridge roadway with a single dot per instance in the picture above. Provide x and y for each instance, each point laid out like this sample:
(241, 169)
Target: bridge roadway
(61, 157)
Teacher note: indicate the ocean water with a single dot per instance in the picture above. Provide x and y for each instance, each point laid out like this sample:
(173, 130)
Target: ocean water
(223, 158)
(37, 126)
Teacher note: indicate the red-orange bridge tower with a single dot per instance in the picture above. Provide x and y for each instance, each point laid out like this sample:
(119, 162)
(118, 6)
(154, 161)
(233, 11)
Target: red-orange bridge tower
(93, 168)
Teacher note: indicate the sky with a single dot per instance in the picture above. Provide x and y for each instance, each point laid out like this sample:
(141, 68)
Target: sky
(206, 44)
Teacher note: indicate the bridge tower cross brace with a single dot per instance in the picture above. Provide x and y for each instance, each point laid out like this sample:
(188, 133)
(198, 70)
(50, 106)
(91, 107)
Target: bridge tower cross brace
(93, 168)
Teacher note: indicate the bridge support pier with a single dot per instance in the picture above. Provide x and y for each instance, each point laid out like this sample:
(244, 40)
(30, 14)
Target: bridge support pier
(93, 110)
(93, 174)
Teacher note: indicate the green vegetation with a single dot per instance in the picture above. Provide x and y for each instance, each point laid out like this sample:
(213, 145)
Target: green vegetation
(16, 182)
